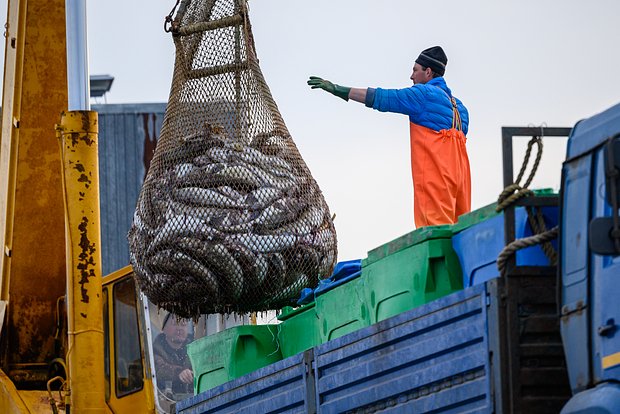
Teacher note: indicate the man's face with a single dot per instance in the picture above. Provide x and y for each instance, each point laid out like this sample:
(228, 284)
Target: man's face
(176, 332)
(420, 75)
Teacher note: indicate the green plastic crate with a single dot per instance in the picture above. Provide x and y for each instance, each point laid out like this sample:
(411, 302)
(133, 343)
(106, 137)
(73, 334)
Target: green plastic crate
(410, 271)
(299, 329)
(234, 352)
(342, 310)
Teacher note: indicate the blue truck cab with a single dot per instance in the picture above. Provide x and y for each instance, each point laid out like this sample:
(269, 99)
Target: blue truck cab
(590, 265)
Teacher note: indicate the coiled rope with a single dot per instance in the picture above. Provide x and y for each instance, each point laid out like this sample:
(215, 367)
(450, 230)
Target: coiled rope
(518, 244)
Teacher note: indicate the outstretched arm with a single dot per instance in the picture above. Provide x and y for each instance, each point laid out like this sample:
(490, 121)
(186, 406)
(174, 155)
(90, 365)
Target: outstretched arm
(344, 92)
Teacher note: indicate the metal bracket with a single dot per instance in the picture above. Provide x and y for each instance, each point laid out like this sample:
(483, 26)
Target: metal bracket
(508, 133)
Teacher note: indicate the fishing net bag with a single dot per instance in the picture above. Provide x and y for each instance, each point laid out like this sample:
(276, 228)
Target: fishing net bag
(229, 218)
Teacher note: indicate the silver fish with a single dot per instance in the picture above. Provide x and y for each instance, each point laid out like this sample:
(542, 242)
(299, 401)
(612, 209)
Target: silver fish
(302, 257)
(202, 177)
(260, 198)
(181, 170)
(204, 197)
(306, 223)
(254, 265)
(241, 172)
(320, 238)
(233, 221)
(175, 262)
(265, 243)
(226, 267)
(142, 226)
(181, 225)
(229, 192)
(267, 179)
(327, 264)
(279, 172)
(254, 156)
(206, 214)
(292, 290)
(273, 217)
(219, 154)
(202, 160)
(262, 266)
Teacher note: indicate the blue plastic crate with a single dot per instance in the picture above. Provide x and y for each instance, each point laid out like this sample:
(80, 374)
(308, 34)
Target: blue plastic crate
(478, 246)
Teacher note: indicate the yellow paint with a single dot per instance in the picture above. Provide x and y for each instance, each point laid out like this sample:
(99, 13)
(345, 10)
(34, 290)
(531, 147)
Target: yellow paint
(10, 400)
(77, 132)
(611, 360)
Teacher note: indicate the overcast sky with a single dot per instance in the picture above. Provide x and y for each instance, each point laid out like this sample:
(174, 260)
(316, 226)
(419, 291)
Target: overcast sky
(513, 63)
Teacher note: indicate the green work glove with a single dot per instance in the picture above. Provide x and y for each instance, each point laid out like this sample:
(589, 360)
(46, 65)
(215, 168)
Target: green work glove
(340, 91)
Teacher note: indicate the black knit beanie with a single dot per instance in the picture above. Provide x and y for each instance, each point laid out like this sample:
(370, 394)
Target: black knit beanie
(434, 58)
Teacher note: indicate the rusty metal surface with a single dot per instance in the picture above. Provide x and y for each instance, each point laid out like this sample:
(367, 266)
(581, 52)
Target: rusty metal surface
(35, 273)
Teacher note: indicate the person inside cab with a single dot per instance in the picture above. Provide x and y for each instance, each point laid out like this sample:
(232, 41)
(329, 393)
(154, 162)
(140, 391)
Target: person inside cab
(172, 365)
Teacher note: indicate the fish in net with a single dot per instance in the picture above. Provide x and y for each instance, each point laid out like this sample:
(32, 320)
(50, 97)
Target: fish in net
(229, 218)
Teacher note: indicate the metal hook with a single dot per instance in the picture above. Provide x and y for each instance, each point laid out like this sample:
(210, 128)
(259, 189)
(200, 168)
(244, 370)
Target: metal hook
(170, 18)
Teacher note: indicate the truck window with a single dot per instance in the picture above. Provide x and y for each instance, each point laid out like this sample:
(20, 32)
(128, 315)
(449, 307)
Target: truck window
(128, 354)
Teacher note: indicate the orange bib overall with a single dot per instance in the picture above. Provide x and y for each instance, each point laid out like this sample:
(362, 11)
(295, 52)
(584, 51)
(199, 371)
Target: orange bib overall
(441, 175)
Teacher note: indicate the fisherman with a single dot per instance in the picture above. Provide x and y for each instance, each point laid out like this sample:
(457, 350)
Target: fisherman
(438, 123)
(172, 364)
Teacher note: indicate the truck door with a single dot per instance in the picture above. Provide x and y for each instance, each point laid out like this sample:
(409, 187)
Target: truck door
(605, 286)
(127, 377)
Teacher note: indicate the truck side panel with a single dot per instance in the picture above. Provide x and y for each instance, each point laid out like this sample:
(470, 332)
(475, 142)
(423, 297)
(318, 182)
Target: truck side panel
(433, 357)
(575, 298)
(280, 387)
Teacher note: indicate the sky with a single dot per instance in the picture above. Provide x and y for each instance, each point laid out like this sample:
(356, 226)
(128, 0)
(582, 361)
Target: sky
(512, 63)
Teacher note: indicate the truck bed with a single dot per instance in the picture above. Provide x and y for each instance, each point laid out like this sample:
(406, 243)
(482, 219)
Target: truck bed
(494, 347)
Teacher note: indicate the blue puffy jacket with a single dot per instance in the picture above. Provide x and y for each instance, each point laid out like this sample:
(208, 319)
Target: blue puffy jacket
(426, 104)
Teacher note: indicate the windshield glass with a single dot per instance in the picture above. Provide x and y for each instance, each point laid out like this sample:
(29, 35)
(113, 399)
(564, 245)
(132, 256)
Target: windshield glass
(170, 365)
(168, 337)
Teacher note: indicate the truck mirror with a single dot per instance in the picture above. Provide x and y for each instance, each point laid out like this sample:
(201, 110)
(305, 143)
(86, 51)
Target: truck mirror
(600, 237)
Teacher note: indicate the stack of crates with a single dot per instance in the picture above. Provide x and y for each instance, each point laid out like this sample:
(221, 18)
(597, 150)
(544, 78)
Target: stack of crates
(410, 271)
(231, 353)
(338, 308)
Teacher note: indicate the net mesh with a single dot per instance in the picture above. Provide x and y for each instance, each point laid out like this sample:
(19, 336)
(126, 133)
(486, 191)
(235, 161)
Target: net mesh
(229, 218)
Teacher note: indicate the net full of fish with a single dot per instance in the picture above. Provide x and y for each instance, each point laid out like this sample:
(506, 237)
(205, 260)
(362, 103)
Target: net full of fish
(229, 218)
(231, 228)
